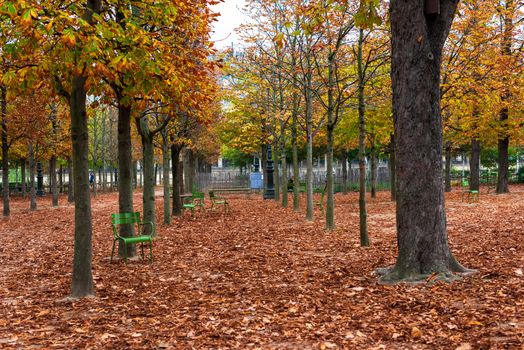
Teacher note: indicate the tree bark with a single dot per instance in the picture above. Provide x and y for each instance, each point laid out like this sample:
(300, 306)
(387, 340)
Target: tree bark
(276, 171)
(364, 237)
(175, 171)
(148, 169)
(503, 142)
(53, 181)
(61, 178)
(309, 145)
(264, 163)
(294, 149)
(284, 179)
(125, 172)
(330, 205)
(417, 42)
(374, 160)
(165, 177)
(474, 165)
(5, 152)
(82, 279)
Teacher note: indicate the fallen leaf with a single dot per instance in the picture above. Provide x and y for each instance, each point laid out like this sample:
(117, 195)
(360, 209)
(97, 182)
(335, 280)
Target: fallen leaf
(415, 333)
(464, 346)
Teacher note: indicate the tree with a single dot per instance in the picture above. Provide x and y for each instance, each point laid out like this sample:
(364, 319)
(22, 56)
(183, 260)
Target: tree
(418, 36)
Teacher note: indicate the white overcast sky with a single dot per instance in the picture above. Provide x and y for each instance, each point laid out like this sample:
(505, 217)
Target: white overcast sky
(230, 18)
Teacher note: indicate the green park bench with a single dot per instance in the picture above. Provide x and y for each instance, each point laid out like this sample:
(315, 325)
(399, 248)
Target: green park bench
(132, 219)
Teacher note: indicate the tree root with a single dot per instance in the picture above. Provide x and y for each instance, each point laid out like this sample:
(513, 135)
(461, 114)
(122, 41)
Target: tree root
(391, 276)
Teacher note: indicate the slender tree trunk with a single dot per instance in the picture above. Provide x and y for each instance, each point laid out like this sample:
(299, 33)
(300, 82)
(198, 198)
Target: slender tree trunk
(503, 165)
(175, 171)
(344, 172)
(125, 172)
(309, 148)
(61, 178)
(474, 165)
(276, 173)
(5, 152)
(53, 181)
(148, 197)
(330, 205)
(284, 171)
(417, 42)
(392, 172)
(264, 164)
(364, 237)
(23, 164)
(71, 181)
(103, 151)
(294, 149)
(374, 160)
(165, 177)
(32, 171)
(82, 278)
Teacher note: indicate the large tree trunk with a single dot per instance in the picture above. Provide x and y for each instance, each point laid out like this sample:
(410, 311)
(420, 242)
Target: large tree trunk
(364, 237)
(474, 165)
(5, 151)
(125, 172)
(175, 173)
(53, 181)
(165, 177)
(417, 42)
(503, 142)
(82, 279)
(32, 171)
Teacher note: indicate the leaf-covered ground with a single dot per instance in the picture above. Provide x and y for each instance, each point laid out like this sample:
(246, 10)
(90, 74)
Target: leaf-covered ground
(262, 277)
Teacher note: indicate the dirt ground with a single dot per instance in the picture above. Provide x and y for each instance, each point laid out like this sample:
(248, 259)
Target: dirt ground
(262, 277)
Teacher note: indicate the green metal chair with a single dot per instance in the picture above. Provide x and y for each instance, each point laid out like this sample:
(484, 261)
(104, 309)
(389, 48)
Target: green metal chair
(217, 200)
(320, 202)
(467, 194)
(198, 200)
(187, 204)
(132, 219)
